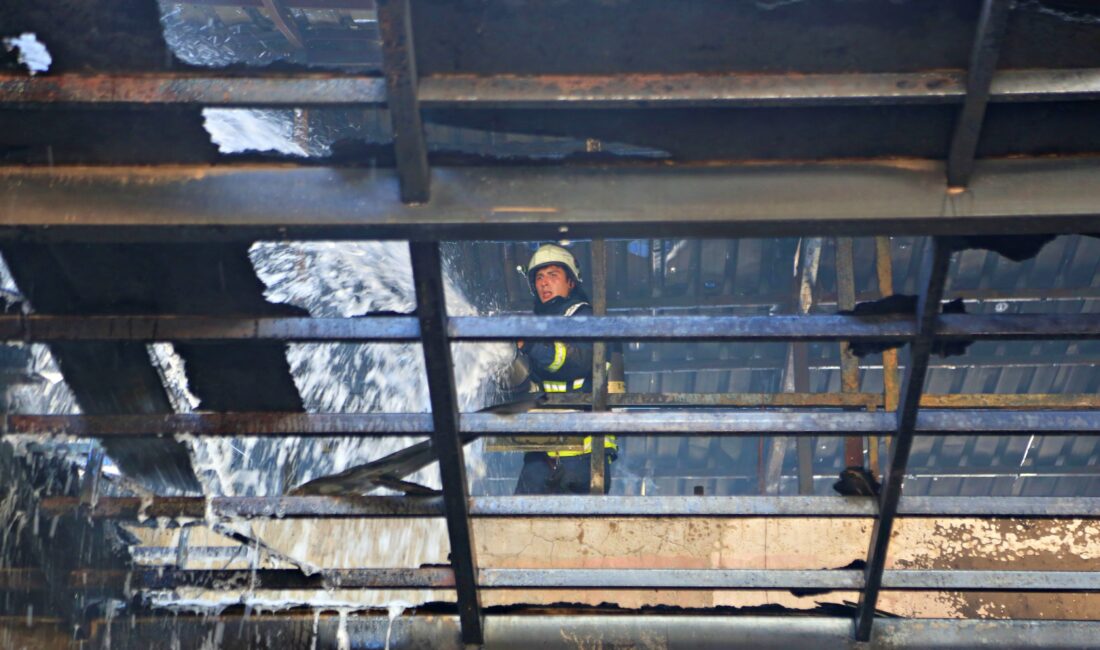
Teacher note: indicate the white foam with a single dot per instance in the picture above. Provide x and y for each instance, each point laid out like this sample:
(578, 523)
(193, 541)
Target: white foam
(236, 130)
(32, 52)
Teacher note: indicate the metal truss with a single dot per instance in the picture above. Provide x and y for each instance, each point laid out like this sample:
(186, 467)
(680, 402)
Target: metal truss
(426, 206)
(450, 430)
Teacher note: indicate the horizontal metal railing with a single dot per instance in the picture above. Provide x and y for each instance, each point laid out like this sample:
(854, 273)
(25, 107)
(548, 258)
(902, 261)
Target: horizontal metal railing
(161, 578)
(549, 91)
(975, 422)
(198, 509)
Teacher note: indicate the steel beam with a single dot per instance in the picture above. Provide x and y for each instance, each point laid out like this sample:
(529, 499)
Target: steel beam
(849, 364)
(884, 270)
(193, 203)
(427, 267)
(399, 66)
(134, 509)
(221, 424)
(44, 328)
(161, 578)
(198, 508)
(806, 327)
(598, 456)
(648, 305)
(979, 80)
(728, 400)
(695, 422)
(1016, 401)
(548, 91)
(747, 90)
(1018, 327)
(193, 89)
(933, 281)
(568, 629)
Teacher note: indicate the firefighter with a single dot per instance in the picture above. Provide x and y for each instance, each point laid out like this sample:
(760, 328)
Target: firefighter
(559, 367)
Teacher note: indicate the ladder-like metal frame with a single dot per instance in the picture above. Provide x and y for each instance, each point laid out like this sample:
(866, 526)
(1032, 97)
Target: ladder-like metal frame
(404, 92)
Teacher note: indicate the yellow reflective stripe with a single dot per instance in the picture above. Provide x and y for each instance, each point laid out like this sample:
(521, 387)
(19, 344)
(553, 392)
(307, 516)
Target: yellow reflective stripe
(559, 357)
(561, 386)
(553, 386)
(608, 443)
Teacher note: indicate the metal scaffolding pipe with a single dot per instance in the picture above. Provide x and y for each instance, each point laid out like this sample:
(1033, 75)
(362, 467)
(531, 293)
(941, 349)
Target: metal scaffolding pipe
(160, 578)
(628, 423)
(41, 328)
(336, 507)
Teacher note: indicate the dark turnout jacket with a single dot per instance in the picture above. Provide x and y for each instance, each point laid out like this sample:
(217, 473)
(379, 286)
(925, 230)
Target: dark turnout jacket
(562, 366)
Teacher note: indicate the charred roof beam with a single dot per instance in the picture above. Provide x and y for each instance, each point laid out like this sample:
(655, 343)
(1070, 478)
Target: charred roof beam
(399, 66)
(244, 203)
(629, 90)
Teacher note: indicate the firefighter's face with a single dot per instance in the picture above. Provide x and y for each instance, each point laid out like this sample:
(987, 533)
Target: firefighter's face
(551, 282)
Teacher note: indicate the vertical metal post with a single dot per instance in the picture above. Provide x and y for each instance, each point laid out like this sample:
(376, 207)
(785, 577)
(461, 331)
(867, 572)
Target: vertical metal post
(432, 314)
(884, 265)
(598, 456)
(804, 444)
(891, 389)
(800, 351)
(849, 365)
(979, 78)
(796, 374)
(399, 65)
(933, 279)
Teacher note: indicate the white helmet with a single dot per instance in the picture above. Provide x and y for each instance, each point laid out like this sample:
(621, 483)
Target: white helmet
(552, 254)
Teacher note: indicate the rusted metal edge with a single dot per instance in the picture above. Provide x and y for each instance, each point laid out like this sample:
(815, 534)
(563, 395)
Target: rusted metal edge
(548, 91)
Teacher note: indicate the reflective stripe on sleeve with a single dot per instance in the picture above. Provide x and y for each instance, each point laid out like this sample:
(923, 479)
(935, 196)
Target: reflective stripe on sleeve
(559, 357)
